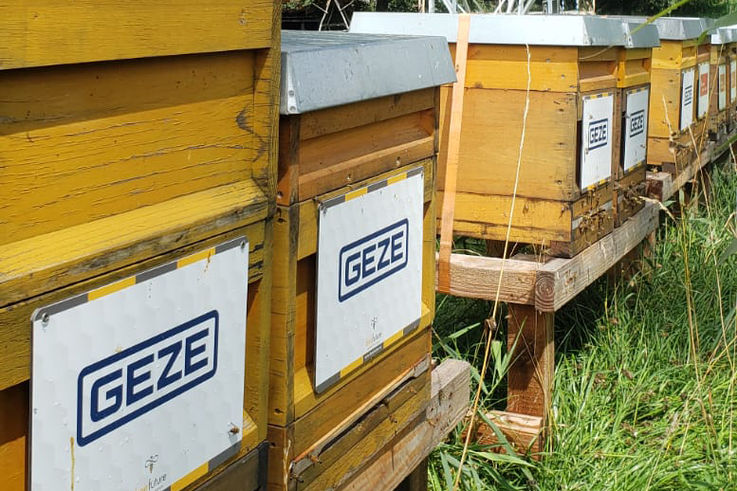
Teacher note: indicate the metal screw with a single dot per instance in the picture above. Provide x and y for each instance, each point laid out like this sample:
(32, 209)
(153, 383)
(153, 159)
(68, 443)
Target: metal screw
(45, 319)
(243, 244)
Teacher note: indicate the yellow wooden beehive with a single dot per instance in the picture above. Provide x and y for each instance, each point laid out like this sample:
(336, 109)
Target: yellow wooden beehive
(731, 49)
(131, 138)
(634, 63)
(675, 92)
(358, 124)
(722, 62)
(564, 194)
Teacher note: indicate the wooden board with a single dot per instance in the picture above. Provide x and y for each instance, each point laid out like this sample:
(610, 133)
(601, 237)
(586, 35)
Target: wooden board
(50, 32)
(629, 191)
(556, 281)
(523, 432)
(346, 449)
(490, 139)
(448, 405)
(328, 149)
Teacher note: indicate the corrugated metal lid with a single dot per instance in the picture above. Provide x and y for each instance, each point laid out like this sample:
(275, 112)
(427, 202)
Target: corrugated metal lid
(545, 30)
(327, 69)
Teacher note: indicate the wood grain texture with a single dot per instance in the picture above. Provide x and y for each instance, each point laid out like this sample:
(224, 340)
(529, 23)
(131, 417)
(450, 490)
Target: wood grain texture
(13, 437)
(560, 280)
(448, 405)
(50, 32)
(39, 264)
(490, 139)
(523, 432)
(15, 325)
(634, 67)
(83, 143)
(530, 376)
(665, 103)
(478, 277)
(333, 461)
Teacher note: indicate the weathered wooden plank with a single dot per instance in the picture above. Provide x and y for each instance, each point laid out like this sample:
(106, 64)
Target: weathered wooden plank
(559, 280)
(39, 264)
(13, 437)
(523, 432)
(530, 377)
(478, 277)
(51, 32)
(448, 405)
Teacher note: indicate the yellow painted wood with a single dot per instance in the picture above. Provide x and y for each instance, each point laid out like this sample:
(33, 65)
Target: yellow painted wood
(505, 67)
(665, 103)
(674, 55)
(48, 32)
(103, 139)
(490, 144)
(15, 325)
(535, 220)
(39, 264)
(13, 437)
(633, 67)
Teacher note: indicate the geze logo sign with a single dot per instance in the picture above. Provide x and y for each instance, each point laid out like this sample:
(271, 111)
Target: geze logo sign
(637, 123)
(369, 273)
(687, 89)
(369, 260)
(598, 133)
(124, 386)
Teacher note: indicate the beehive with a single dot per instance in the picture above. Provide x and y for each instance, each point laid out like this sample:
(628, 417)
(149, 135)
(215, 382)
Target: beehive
(358, 140)
(731, 48)
(723, 64)
(634, 63)
(134, 143)
(564, 197)
(675, 93)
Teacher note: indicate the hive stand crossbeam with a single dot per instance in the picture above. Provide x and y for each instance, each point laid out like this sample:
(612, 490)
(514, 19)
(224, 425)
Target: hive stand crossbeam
(534, 290)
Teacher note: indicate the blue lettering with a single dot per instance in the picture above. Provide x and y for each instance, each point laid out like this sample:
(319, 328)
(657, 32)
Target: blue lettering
(368, 260)
(353, 268)
(383, 259)
(190, 351)
(116, 393)
(166, 378)
(397, 245)
(131, 396)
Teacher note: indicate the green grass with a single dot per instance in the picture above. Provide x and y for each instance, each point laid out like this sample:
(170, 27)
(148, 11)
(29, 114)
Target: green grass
(644, 393)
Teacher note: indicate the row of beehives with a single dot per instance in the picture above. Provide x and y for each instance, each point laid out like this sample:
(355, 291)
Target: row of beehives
(143, 204)
(607, 96)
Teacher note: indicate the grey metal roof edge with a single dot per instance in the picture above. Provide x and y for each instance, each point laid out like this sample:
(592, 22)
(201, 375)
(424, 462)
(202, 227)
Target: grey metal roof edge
(638, 35)
(324, 69)
(542, 30)
(673, 28)
(724, 35)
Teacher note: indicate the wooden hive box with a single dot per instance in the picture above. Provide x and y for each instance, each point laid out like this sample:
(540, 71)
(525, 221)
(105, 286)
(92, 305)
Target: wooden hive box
(351, 324)
(137, 145)
(673, 101)
(564, 198)
(634, 63)
(724, 70)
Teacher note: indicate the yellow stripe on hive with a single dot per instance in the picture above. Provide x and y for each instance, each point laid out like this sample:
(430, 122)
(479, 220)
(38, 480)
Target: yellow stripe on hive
(190, 478)
(393, 179)
(356, 194)
(108, 289)
(196, 257)
(393, 338)
(357, 363)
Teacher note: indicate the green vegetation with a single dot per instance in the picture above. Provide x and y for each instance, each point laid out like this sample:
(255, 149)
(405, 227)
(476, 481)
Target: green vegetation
(646, 371)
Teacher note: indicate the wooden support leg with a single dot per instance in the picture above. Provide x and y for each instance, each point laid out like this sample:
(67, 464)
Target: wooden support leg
(530, 334)
(417, 479)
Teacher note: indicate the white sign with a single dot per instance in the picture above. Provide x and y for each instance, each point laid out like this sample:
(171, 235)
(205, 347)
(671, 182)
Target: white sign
(703, 104)
(687, 98)
(635, 130)
(722, 86)
(596, 141)
(733, 82)
(139, 383)
(369, 273)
